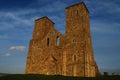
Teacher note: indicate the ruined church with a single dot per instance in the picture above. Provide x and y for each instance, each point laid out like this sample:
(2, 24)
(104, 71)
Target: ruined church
(69, 54)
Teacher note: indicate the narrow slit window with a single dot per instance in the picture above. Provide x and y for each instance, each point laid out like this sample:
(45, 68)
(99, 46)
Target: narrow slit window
(47, 41)
(77, 12)
(58, 41)
(74, 58)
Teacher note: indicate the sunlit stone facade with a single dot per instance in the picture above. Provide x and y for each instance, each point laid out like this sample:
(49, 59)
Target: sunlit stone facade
(71, 54)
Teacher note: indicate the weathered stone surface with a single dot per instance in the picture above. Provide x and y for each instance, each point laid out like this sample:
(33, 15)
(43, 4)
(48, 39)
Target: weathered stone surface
(70, 54)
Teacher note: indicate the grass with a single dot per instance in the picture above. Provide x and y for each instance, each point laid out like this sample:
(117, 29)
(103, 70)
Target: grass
(55, 77)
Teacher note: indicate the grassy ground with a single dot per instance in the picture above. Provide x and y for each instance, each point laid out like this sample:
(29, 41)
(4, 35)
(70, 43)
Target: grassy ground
(57, 77)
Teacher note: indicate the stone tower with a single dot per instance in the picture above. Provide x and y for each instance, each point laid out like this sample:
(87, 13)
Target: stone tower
(71, 54)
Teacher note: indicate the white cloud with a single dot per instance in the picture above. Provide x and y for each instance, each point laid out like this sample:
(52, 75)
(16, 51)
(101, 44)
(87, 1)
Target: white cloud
(7, 55)
(18, 48)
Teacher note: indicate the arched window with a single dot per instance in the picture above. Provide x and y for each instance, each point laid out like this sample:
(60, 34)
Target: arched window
(58, 41)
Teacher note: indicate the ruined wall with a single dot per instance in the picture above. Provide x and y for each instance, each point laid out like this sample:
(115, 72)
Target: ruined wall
(70, 54)
(44, 54)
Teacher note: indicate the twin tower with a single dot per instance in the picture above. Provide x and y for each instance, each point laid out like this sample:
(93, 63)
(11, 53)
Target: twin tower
(71, 54)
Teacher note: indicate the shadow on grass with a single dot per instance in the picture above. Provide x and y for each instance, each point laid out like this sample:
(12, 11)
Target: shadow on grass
(54, 77)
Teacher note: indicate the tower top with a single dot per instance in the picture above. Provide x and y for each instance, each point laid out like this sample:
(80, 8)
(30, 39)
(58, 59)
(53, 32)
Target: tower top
(46, 18)
(78, 4)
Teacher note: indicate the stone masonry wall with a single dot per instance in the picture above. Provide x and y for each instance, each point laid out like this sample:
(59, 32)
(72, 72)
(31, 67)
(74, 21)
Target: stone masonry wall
(71, 54)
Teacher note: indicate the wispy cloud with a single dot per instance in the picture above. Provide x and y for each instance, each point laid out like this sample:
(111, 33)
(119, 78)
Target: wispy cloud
(25, 17)
(103, 8)
(7, 55)
(11, 20)
(18, 48)
(21, 21)
(99, 26)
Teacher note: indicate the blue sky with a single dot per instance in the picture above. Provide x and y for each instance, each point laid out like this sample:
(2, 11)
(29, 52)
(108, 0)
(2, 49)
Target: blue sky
(17, 23)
